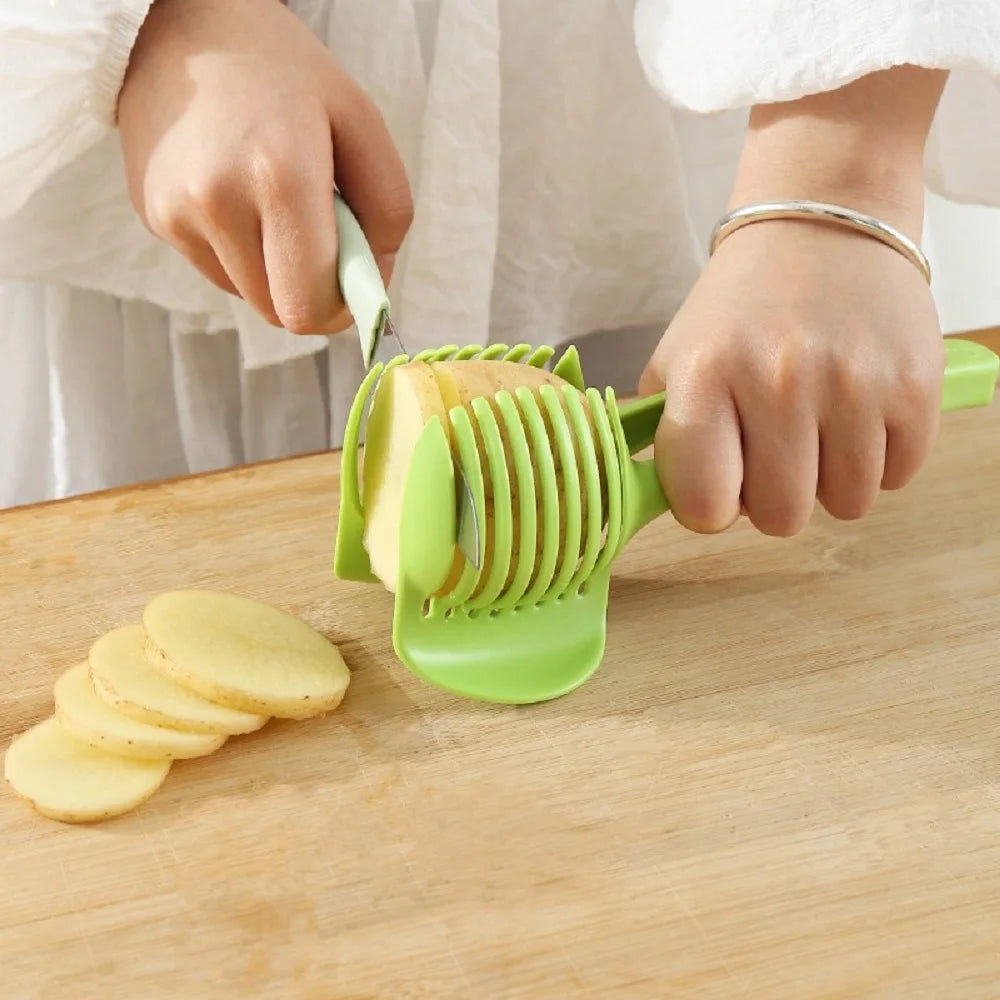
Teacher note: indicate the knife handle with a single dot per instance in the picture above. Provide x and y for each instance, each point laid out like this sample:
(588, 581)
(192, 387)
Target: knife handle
(360, 282)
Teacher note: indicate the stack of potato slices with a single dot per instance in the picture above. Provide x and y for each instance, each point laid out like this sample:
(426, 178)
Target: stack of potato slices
(201, 667)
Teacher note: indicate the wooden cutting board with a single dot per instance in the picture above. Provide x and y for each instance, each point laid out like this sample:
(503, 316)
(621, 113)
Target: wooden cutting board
(783, 783)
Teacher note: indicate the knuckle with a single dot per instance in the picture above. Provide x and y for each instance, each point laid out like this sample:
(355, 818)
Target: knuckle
(275, 173)
(785, 372)
(854, 381)
(165, 218)
(691, 376)
(918, 386)
(210, 194)
(847, 376)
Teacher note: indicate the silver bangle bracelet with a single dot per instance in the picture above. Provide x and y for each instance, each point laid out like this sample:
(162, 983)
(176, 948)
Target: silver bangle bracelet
(816, 210)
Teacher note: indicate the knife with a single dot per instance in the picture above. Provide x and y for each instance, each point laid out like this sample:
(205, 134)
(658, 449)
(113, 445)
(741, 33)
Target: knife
(368, 302)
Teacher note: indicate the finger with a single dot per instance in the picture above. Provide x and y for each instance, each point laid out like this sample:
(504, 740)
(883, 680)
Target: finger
(174, 227)
(370, 173)
(906, 449)
(299, 240)
(235, 236)
(223, 216)
(780, 460)
(203, 257)
(910, 437)
(698, 457)
(852, 460)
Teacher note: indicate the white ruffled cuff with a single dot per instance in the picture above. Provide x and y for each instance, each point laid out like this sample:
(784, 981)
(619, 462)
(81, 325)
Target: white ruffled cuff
(110, 71)
(728, 54)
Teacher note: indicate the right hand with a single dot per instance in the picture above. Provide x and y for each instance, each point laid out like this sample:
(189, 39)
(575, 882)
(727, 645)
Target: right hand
(235, 123)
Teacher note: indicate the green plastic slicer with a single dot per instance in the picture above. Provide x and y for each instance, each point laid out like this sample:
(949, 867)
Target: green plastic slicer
(526, 621)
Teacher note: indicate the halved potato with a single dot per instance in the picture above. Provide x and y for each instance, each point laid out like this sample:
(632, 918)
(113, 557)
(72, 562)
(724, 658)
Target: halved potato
(66, 779)
(85, 715)
(244, 654)
(410, 395)
(123, 676)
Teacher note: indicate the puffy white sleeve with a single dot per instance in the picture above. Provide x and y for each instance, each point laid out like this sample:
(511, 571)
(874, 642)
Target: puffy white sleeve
(63, 65)
(65, 213)
(721, 55)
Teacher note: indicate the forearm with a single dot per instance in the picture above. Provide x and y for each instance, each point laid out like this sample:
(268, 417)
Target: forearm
(863, 142)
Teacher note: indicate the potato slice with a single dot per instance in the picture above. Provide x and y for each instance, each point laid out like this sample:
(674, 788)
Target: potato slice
(83, 714)
(66, 779)
(123, 676)
(244, 654)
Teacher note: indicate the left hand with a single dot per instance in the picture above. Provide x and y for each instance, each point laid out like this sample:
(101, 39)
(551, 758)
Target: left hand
(807, 361)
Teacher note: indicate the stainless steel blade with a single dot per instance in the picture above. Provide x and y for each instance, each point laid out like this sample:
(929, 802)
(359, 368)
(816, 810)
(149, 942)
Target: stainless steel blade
(469, 535)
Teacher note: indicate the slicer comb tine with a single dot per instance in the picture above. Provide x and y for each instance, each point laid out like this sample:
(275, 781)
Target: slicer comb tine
(539, 357)
(549, 527)
(526, 510)
(569, 487)
(492, 352)
(517, 352)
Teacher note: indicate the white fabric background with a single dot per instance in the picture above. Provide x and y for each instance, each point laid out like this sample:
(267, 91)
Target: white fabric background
(568, 161)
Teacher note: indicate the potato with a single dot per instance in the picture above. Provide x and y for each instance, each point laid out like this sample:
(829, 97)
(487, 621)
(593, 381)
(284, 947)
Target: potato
(123, 677)
(66, 779)
(83, 714)
(408, 397)
(463, 381)
(244, 655)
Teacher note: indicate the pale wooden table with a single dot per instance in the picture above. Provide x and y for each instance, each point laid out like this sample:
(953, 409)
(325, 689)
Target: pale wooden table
(783, 783)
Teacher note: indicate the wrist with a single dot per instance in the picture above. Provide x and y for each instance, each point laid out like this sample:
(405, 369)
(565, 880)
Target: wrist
(861, 146)
(819, 168)
(161, 16)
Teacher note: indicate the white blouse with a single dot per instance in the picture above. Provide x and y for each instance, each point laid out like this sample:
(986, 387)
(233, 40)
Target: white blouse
(567, 160)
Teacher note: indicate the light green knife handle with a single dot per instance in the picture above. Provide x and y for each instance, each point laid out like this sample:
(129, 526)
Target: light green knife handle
(360, 282)
(970, 380)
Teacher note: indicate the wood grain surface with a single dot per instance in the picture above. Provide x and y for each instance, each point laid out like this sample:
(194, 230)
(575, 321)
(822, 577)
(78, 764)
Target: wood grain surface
(784, 782)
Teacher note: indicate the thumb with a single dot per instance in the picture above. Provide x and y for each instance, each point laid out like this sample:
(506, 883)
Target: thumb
(699, 456)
